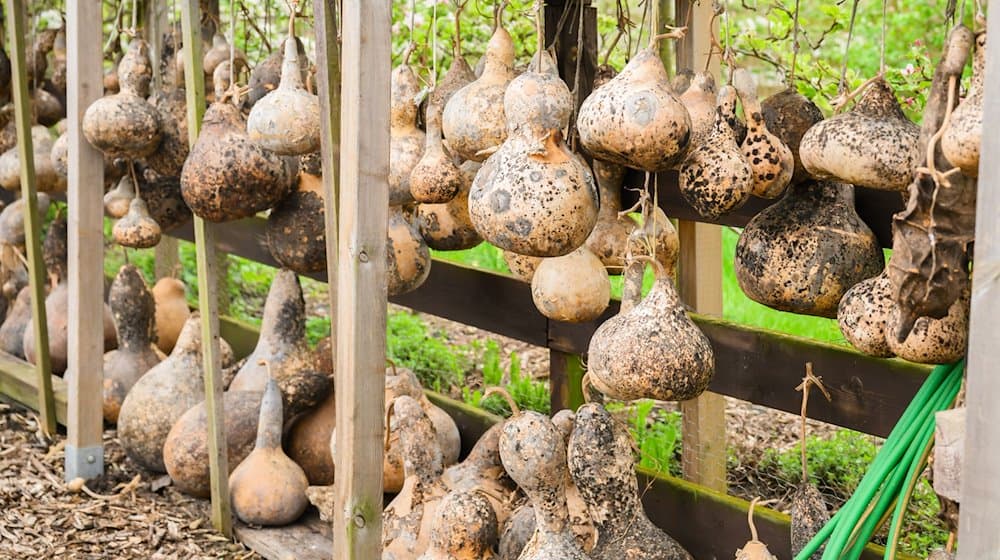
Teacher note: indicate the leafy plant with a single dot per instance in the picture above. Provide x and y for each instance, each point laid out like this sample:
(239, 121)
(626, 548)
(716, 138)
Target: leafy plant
(437, 364)
(528, 393)
(657, 435)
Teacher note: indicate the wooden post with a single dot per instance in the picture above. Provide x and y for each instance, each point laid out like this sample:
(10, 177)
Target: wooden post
(361, 281)
(565, 380)
(699, 283)
(32, 221)
(85, 84)
(207, 283)
(981, 470)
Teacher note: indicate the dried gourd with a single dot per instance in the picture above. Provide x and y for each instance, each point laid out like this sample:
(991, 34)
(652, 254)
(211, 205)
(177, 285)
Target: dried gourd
(873, 145)
(716, 178)
(406, 140)
(448, 226)
(474, 120)
(168, 158)
(609, 238)
(435, 178)
(601, 462)
(220, 52)
(171, 312)
(308, 441)
(521, 266)
(464, 528)
(228, 176)
(286, 121)
(118, 200)
(770, 159)
(12, 330)
(804, 252)
(699, 98)
(408, 257)
(268, 488)
(46, 178)
(932, 341)
(483, 471)
(788, 115)
(137, 229)
(133, 310)
(862, 315)
(59, 156)
(808, 509)
(296, 227)
(125, 124)
(516, 533)
(754, 549)
(164, 201)
(656, 238)
(651, 349)
(579, 301)
(579, 516)
(961, 139)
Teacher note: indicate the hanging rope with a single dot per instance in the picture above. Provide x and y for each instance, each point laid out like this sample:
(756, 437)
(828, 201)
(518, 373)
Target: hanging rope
(842, 87)
(795, 44)
(881, 64)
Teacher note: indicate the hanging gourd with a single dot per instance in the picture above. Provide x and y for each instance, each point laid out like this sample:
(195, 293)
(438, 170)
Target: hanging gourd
(804, 252)
(46, 178)
(220, 52)
(137, 229)
(408, 257)
(228, 176)
(296, 228)
(521, 267)
(963, 136)
(125, 124)
(118, 199)
(699, 98)
(448, 226)
(171, 105)
(862, 315)
(579, 301)
(656, 238)
(435, 178)
(932, 341)
(754, 549)
(788, 115)
(716, 177)
(609, 238)
(266, 76)
(770, 159)
(406, 140)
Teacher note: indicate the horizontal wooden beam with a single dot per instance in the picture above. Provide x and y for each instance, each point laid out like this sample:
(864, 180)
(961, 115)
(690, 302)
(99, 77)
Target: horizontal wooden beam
(19, 381)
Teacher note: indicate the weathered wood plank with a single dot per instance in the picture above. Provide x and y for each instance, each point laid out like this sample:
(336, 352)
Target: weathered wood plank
(361, 282)
(19, 381)
(84, 445)
(307, 539)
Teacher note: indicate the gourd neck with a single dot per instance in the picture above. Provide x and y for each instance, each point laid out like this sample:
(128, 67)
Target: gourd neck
(270, 419)
(551, 511)
(433, 144)
(291, 73)
(609, 178)
(284, 310)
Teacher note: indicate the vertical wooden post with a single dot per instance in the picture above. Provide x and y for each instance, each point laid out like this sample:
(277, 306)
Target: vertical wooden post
(85, 84)
(981, 470)
(565, 380)
(207, 283)
(17, 26)
(361, 282)
(699, 283)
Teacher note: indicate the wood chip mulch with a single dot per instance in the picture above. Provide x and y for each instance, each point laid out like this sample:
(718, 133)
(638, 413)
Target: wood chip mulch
(118, 515)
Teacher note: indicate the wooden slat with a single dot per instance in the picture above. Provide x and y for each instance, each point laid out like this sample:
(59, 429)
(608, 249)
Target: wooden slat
(981, 470)
(565, 380)
(18, 28)
(361, 282)
(19, 382)
(207, 282)
(308, 539)
(85, 84)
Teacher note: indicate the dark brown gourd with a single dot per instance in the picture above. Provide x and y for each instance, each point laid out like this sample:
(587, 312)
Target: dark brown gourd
(464, 528)
(862, 315)
(600, 458)
(408, 257)
(286, 121)
(804, 252)
(448, 226)
(609, 238)
(133, 310)
(296, 229)
(406, 144)
(267, 487)
(164, 201)
(227, 176)
(770, 159)
(573, 288)
(125, 124)
(137, 229)
(788, 115)
(171, 106)
(960, 141)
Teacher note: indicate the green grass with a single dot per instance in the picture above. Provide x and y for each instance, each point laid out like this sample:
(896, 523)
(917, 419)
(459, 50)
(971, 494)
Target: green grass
(657, 435)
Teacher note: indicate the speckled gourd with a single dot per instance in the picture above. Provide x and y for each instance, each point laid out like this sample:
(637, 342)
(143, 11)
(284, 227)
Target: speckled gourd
(296, 228)
(168, 158)
(133, 310)
(227, 176)
(651, 349)
(483, 471)
(873, 145)
(804, 252)
(609, 238)
(634, 119)
(435, 178)
(474, 119)
(522, 267)
(406, 140)
(125, 124)
(961, 140)
(574, 288)
(46, 178)
(933, 341)
(448, 226)
(265, 76)
(118, 200)
(699, 98)
(164, 201)
(464, 528)
(408, 257)
(716, 177)
(601, 462)
(137, 229)
(862, 315)
(267, 487)
(286, 121)
(788, 115)
(770, 159)
(579, 516)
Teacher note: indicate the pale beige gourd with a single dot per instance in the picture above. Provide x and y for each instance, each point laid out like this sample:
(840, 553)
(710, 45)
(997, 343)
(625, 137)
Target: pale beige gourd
(933, 341)
(118, 200)
(435, 179)
(171, 312)
(657, 231)
(286, 121)
(133, 310)
(46, 178)
(716, 177)
(770, 159)
(125, 124)
(448, 226)
(609, 238)
(789, 115)
(464, 528)
(963, 136)
(634, 119)
(137, 229)
(482, 471)
(523, 267)
(754, 549)
(59, 156)
(862, 315)
(873, 145)
(651, 349)
(474, 121)
(406, 141)
(534, 196)
(220, 52)
(573, 288)
(268, 488)
(804, 252)
(600, 455)
(407, 255)
(699, 98)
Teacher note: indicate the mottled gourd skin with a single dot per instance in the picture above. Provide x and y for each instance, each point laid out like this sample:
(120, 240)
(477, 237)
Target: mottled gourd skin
(483, 471)
(296, 230)
(699, 100)
(933, 341)
(448, 226)
(770, 159)
(602, 465)
(137, 229)
(862, 315)
(286, 121)
(165, 203)
(464, 528)
(523, 267)
(609, 238)
(652, 350)
(406, 141)
(474, 120)
(409, 258)
(125, 124)
(168, 158)
(788, 115)
(804, 252)
(634, 119)
(435, 179)
(873, 145)
(716, 178)
(133, 311)
(809, 515)
(579, 517)
(961, 140)
(573, 288)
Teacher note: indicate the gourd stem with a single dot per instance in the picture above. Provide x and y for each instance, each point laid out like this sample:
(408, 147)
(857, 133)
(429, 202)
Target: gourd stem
(847, 47)
(795, 42)
(514, 408)
(457, 43)
(539, 33)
